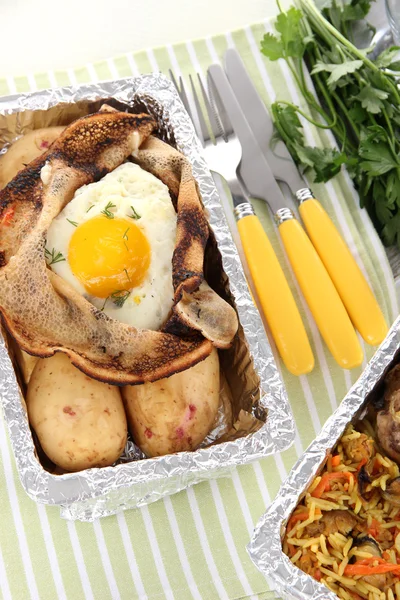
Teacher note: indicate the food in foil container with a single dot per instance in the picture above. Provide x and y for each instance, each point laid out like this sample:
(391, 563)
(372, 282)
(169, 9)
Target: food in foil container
(125, 338)
(345, 529)
(113, 278)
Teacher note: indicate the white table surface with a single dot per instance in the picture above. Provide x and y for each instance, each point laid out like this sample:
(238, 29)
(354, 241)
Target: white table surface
(38, 35)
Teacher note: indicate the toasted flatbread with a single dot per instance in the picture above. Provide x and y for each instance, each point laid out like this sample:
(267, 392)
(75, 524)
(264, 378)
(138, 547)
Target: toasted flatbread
(44, 313)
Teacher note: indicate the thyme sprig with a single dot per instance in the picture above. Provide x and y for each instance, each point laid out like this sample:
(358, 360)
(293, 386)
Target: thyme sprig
(53, 257)
(107, 211)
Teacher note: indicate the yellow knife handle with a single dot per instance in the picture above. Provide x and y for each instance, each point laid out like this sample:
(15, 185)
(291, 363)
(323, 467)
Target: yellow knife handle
(275, 297)
(322, 298)
(349, 281)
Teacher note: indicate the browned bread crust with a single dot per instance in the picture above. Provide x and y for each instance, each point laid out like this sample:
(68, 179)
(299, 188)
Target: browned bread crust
(43, 312)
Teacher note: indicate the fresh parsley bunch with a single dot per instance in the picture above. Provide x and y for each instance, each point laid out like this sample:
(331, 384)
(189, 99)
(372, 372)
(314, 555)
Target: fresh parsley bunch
(358, 100)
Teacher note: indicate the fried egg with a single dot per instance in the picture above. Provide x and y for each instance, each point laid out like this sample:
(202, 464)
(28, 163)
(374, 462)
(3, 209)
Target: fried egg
(113, 243)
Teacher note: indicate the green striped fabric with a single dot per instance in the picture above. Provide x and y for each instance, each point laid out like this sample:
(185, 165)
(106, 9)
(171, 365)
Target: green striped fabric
(191, 545)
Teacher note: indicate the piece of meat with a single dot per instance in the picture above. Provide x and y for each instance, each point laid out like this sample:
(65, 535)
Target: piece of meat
(388, 419)
(335, 521)
(359, 449)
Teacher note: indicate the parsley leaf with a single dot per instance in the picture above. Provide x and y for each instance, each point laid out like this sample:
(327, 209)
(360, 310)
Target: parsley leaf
(337, 71)
(391, 231)
(271, 47)
(371, 99)
(292, 42)
(378, 158)
(393, 188)
(289, 123)
(326, 162)
(387, 58)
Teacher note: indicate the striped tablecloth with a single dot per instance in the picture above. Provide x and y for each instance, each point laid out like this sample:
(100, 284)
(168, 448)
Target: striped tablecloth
(191, 545)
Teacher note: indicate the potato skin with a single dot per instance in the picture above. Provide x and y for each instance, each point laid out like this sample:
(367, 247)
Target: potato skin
(174, 414)
(24, 150)
(80, 422)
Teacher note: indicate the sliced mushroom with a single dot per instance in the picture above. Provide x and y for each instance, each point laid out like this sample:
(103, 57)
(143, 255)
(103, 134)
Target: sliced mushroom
(392, 492)
(366, 543)
(363, 479)
(370, 545)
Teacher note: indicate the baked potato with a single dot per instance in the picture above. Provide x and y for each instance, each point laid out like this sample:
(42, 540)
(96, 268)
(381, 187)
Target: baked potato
(80, 422)
(24, 150)
(174, 414)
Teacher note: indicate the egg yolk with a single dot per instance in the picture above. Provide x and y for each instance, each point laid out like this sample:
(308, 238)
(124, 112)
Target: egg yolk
(108, 255)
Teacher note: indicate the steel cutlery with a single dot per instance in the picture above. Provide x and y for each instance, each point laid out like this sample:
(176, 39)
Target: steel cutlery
(343, 269)
(319, 291)
(223, 154)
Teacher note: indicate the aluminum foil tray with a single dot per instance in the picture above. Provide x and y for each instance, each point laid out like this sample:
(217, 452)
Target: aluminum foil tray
(265, 547)
(99, 492)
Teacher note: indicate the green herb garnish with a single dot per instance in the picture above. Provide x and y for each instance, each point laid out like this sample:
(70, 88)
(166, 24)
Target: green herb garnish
(53, 257)
(74, 223)
(119, 297)
(134, 214)
(127, 275)
(107, 212)
(90, 207)
(357, 99)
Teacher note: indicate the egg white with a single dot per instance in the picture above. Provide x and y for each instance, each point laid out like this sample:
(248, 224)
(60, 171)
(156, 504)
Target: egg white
(148, 304)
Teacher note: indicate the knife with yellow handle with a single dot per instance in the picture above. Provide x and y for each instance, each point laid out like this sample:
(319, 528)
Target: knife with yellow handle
(343, 269)
(321, 295)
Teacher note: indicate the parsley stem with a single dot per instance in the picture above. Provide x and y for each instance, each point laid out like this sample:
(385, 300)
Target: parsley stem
(324, 26)
(307, 117)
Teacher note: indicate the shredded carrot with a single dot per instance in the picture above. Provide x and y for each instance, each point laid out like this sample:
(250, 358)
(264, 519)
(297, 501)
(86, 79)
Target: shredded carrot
(295, 518)
(336, 460)
(360, 569)
(372, 559)
(374, 529)
(324, 486)
(8, 215)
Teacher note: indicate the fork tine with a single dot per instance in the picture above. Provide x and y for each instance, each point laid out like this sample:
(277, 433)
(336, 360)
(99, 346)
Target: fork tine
(205, 136)
(215, 123)
(180, 88)
(218, 106)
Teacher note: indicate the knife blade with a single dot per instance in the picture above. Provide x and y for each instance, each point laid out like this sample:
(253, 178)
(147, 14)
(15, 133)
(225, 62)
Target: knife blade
(320, 293)
(278, 157)
(342, 267)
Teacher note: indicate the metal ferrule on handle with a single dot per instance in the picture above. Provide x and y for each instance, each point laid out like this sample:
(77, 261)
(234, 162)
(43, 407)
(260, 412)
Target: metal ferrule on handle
(304, 194)
(282, 215)
(243, 210)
